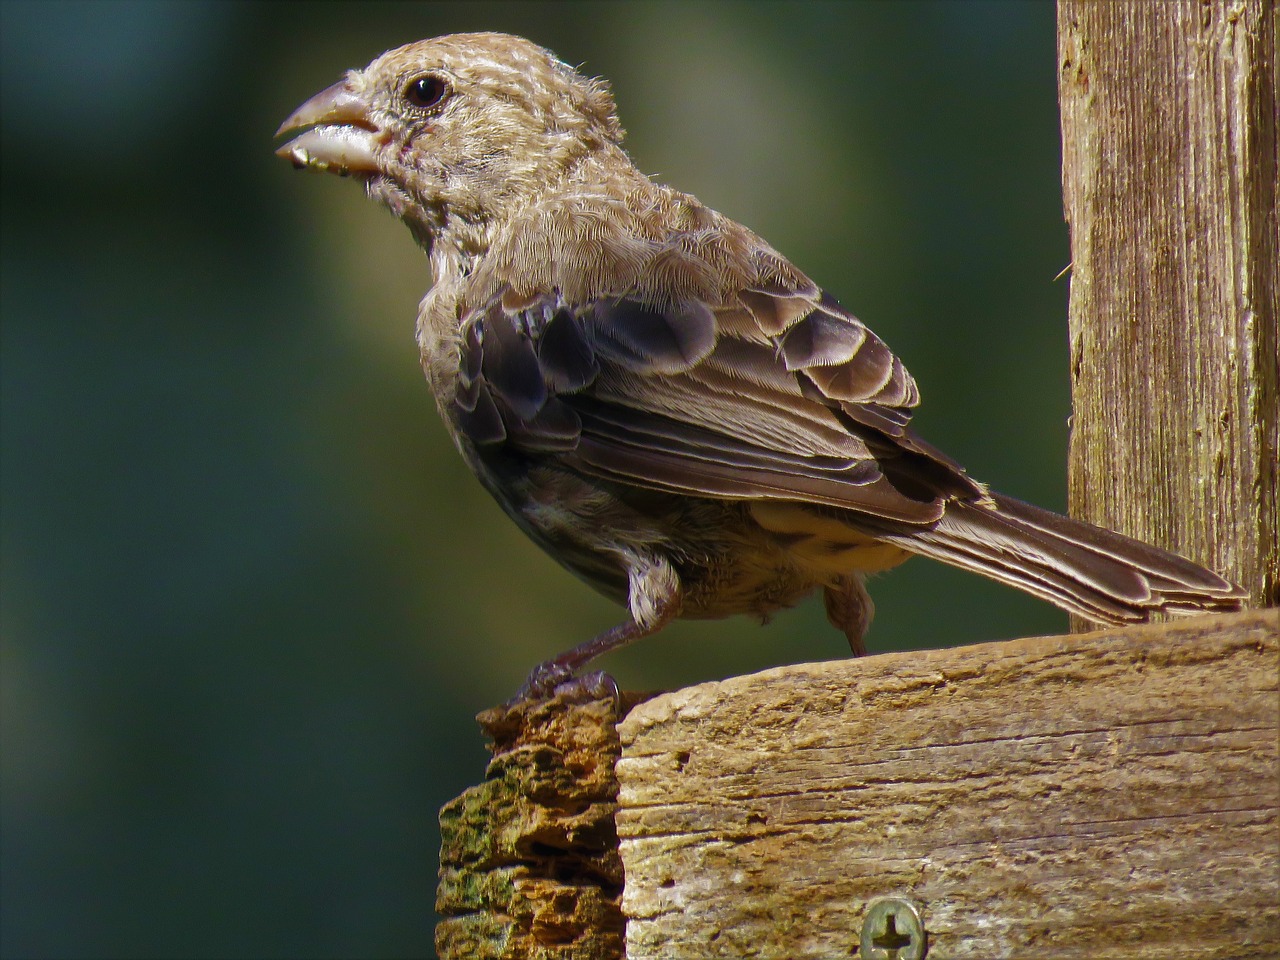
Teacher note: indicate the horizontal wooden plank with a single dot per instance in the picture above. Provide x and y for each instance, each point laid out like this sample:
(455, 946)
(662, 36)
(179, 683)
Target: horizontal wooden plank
(1114, 794)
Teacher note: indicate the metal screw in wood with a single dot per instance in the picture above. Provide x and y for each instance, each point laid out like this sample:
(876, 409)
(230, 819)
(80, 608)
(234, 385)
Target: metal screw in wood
(892, 930)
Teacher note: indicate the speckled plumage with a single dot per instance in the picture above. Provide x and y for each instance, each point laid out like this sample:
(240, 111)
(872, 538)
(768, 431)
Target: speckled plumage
(656, 396)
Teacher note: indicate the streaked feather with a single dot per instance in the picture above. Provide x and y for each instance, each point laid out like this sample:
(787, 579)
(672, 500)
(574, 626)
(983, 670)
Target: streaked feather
(813, 417)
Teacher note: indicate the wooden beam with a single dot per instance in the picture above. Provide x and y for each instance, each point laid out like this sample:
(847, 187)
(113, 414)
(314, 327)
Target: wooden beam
(1169, 175)
(1115, 795)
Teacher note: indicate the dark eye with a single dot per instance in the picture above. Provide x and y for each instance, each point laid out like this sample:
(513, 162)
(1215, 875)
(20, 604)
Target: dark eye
(425, 91)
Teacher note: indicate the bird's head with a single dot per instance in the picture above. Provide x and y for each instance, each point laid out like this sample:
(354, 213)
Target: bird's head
(452, 133)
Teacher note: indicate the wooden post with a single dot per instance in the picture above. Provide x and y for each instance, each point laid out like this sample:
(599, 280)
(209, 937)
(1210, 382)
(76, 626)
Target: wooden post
(529, 866)
(1169, 175)
(1111, 795)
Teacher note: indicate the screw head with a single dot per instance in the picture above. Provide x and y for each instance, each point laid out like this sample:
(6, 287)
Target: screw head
(892, 930)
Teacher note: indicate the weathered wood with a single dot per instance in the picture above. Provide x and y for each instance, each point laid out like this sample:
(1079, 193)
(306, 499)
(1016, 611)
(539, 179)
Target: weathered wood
(529, 866)
(1108, 795)
(1169, 174)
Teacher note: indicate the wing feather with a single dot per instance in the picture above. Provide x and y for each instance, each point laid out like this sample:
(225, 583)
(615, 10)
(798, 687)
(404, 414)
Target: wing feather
(777, 393)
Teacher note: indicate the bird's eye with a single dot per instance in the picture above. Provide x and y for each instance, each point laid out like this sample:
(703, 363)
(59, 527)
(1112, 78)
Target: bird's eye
(425, 91)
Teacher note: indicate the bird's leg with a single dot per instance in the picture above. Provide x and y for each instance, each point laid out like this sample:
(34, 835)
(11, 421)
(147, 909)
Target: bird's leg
(559, 674)
(849, 608)
(654, 601)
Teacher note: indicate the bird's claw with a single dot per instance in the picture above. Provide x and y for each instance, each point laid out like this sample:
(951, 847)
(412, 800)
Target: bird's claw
(554, 681)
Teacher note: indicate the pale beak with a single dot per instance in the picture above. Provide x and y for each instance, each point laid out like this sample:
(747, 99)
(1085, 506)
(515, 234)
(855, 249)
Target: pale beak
(342, 140)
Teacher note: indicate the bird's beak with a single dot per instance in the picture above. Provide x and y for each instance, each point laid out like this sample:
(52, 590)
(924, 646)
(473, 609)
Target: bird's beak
(342, 139)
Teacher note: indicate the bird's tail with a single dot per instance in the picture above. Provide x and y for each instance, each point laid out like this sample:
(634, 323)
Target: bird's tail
(1100, 575)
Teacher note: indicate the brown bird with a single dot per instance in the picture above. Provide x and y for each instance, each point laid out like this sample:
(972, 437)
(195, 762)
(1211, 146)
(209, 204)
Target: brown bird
(654, 394)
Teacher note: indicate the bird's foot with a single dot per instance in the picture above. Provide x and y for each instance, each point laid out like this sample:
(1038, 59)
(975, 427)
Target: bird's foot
(554, 680)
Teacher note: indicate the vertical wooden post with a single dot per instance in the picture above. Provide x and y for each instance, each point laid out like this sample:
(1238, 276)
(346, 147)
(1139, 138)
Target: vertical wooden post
(1170, 184)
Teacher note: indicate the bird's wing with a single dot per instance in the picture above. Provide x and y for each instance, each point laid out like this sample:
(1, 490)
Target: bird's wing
(782, 395)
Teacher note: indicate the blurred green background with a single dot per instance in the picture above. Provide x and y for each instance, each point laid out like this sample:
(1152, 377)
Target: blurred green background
(251, 596)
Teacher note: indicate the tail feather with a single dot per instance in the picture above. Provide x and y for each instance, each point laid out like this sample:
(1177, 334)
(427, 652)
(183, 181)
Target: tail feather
(1084, 569)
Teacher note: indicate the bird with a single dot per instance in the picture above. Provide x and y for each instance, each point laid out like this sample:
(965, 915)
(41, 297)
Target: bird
(659, 399)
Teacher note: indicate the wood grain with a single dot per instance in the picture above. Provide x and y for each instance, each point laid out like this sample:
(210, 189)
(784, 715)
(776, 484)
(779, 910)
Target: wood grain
(1169, 174)
(1107, 795)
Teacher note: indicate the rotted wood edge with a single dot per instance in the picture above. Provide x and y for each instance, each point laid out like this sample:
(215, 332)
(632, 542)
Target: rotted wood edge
(529, 864)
